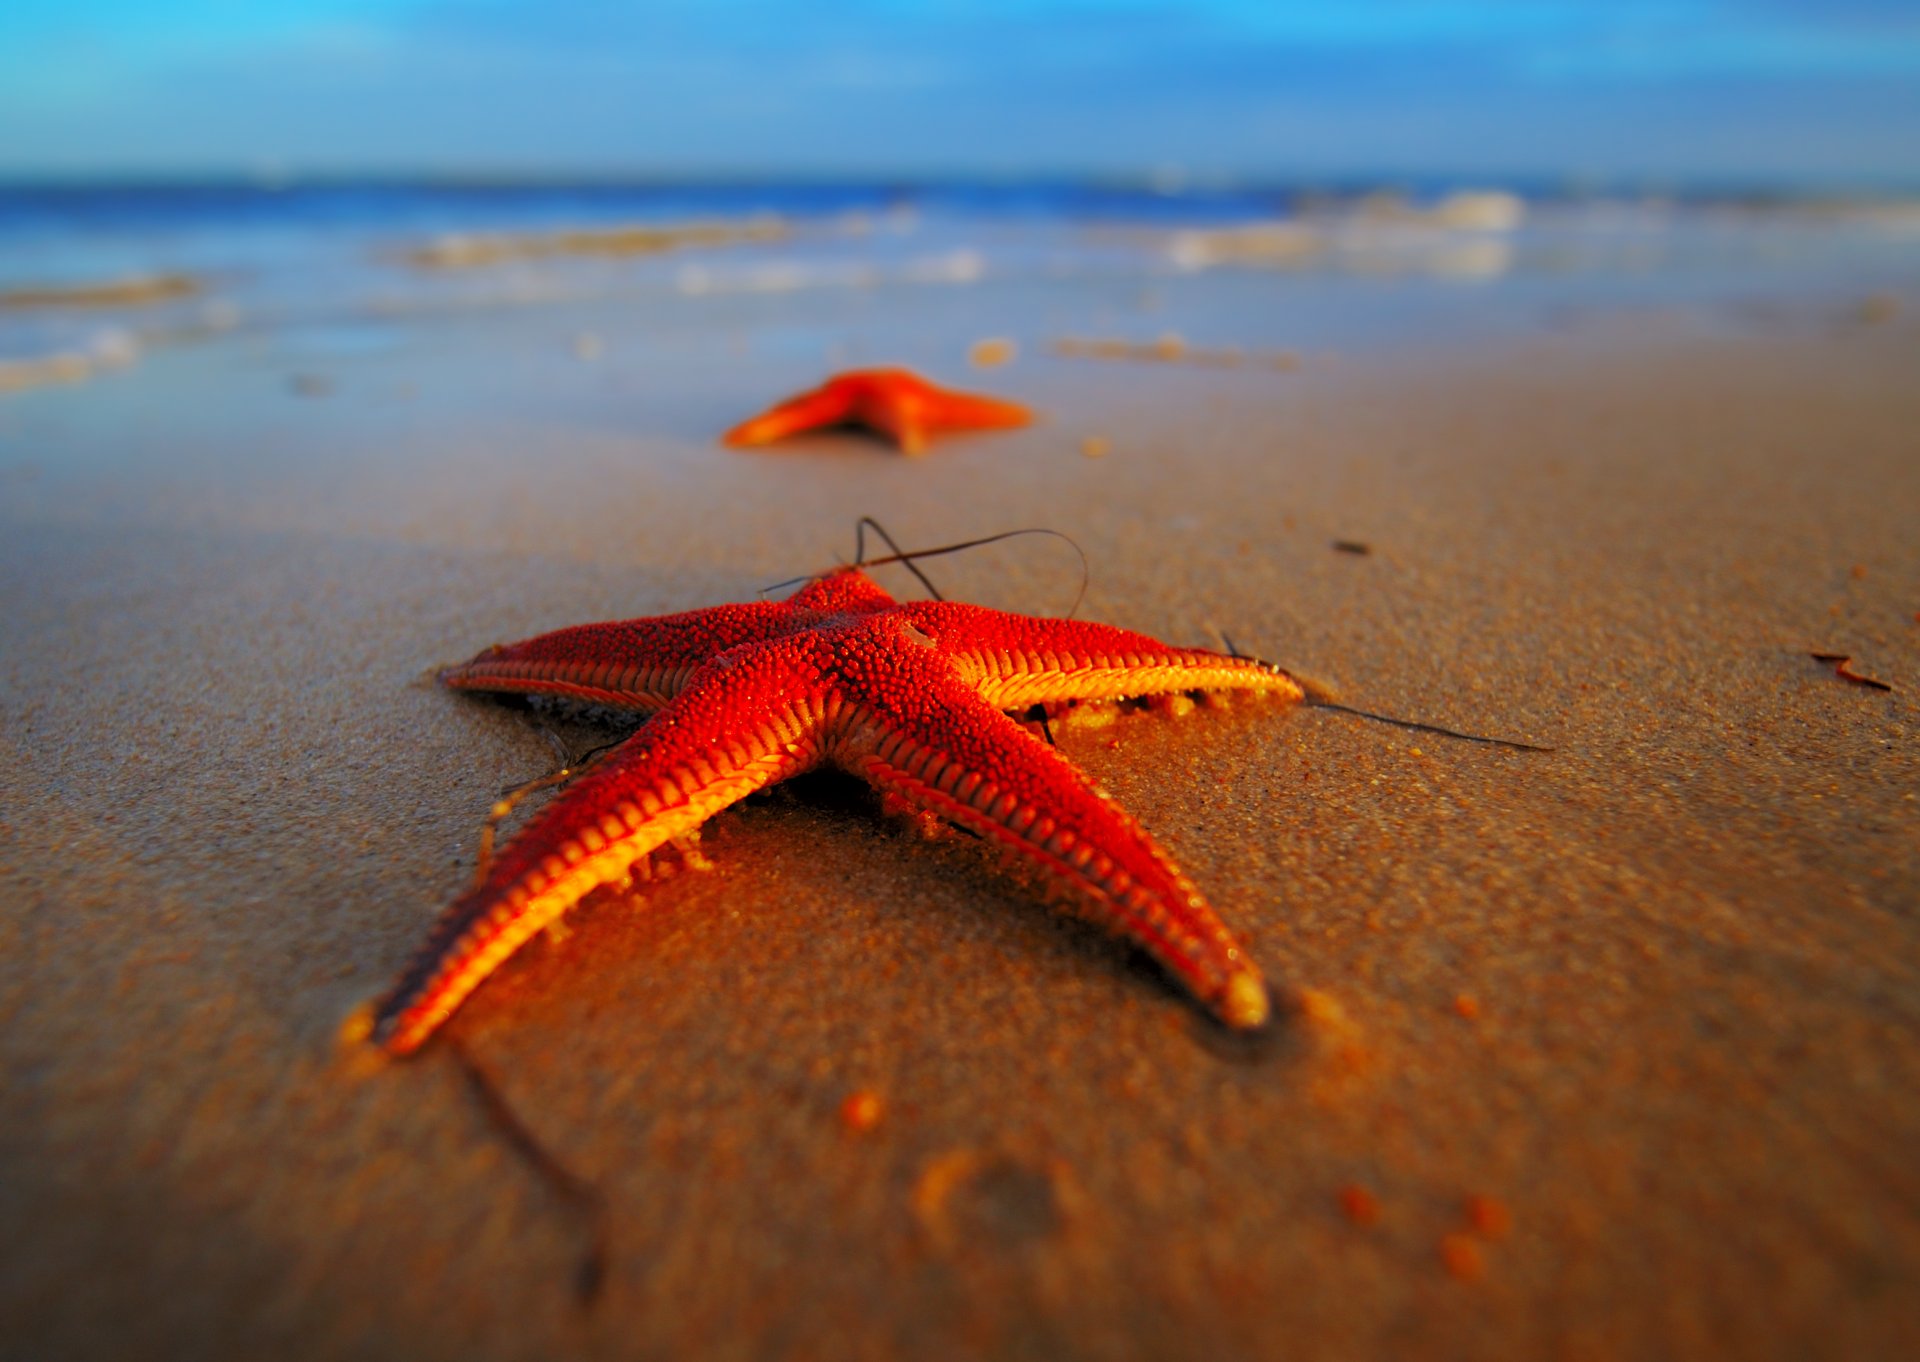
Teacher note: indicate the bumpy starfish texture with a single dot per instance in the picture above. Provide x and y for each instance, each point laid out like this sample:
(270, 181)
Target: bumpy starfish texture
(895, 402)
(910, 697)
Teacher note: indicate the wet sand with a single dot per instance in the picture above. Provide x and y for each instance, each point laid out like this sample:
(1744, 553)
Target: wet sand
(1612, 1051)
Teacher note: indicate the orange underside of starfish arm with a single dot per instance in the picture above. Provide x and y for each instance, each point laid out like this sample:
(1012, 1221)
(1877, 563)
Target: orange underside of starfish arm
(1015, 661)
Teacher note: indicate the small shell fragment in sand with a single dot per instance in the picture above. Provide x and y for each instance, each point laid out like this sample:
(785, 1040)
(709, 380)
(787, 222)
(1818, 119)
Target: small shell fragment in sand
(992, 352)
(1467, 1005)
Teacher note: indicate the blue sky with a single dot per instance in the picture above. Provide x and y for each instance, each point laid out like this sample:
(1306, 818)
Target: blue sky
(1736, 88)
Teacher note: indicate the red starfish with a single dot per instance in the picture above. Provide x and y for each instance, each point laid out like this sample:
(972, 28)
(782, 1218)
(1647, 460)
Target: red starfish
(908, 697)
(895, 402)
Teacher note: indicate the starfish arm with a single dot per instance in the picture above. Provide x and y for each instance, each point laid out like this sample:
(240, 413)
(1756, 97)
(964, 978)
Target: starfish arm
(1019, 660)
(971, 411)
(912, 410)
(828, 405)
(740, 725)
(627, 664)
(950, 752)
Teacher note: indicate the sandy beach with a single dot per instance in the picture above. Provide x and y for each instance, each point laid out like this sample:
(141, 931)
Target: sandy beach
(1611, 1051)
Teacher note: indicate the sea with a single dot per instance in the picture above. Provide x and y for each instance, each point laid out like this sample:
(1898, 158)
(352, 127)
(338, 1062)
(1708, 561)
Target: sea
(97, 277)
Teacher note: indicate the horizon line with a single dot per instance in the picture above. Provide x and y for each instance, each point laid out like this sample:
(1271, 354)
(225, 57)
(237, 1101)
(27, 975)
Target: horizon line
(1165, 181)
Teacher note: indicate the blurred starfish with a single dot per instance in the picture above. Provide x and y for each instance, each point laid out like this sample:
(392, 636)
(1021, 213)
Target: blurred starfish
(895, 402)
(910, 697)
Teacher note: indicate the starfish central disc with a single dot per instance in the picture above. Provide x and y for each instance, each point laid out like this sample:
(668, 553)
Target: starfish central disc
(909, 697)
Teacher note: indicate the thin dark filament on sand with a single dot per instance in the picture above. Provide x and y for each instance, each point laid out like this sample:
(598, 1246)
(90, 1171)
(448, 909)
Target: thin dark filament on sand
(1321, 702)
(581, 1197)
(1426, 728)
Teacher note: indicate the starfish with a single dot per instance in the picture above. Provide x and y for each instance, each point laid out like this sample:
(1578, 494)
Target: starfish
(910, 697)
(896, 402)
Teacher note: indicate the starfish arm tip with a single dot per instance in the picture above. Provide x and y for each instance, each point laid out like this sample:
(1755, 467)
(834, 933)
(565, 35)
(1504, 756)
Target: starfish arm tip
(1246, 1005)
(377, 1028)
(363, 1048)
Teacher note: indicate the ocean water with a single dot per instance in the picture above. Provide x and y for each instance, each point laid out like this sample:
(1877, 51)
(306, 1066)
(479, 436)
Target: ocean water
(335, 267)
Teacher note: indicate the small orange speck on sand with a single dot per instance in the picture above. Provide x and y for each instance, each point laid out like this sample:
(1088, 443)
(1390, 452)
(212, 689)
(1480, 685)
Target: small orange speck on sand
(1322, 1008)
(1858, 571)
(861, 1111)
(358, 1025)
(1466, 1005)
(1489, 1217)
(992, 352)
(1462, 1257)
(1096, 446)
(1171, 345)
(1361, 1206)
